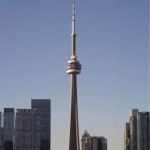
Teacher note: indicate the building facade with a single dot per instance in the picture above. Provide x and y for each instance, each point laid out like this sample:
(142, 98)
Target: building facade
(133, 129)
(0, 119)
(44, 107)
(8, 129)
(93, 142)
(27, 129)
(143, 127)
(1, 132)
(1, 138)
(127, 136)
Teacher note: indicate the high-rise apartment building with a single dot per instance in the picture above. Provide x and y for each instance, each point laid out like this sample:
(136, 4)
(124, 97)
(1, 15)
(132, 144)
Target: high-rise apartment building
(27, 129)
(143, 128)
(127, 136)
(44, 107)
(8, 128)
(93, 142)
(133, 129)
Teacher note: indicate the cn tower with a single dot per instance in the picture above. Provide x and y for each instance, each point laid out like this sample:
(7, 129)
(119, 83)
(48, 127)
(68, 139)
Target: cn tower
(73, 68)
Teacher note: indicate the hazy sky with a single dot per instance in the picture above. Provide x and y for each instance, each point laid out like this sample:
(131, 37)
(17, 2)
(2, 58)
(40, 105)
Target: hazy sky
(112, 46)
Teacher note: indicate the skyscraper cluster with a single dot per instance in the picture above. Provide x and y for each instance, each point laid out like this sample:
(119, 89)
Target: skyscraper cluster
(137, 131)
(27, 129)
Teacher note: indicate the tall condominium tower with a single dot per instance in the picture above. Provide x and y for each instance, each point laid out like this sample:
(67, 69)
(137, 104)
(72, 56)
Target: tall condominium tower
(44, 107)
(73, 68)
(93, 142)
(8, 128)
(27, 129)
(143, 128)
(133, 129)
(127, 136)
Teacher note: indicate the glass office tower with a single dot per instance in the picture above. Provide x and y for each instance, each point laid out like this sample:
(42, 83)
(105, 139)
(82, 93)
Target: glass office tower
(44, 107)
(8, 128)
(143, 127)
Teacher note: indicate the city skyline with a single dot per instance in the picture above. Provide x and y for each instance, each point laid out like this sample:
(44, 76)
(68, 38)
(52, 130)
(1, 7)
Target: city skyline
(112, 44)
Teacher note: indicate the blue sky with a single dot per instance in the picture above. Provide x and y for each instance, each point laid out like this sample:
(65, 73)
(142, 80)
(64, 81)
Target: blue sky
(112, 46)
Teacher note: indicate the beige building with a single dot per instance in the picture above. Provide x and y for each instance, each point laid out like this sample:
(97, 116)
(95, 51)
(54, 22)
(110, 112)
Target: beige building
(27, 129)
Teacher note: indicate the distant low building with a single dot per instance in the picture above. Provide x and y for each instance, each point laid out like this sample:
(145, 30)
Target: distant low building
(93, 142)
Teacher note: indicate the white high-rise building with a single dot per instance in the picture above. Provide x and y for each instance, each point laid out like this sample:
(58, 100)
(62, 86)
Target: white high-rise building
(27, 129)
(8, 129)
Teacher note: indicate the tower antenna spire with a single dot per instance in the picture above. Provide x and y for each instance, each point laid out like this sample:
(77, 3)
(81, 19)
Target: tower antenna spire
(73, 8)
(73, 34)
